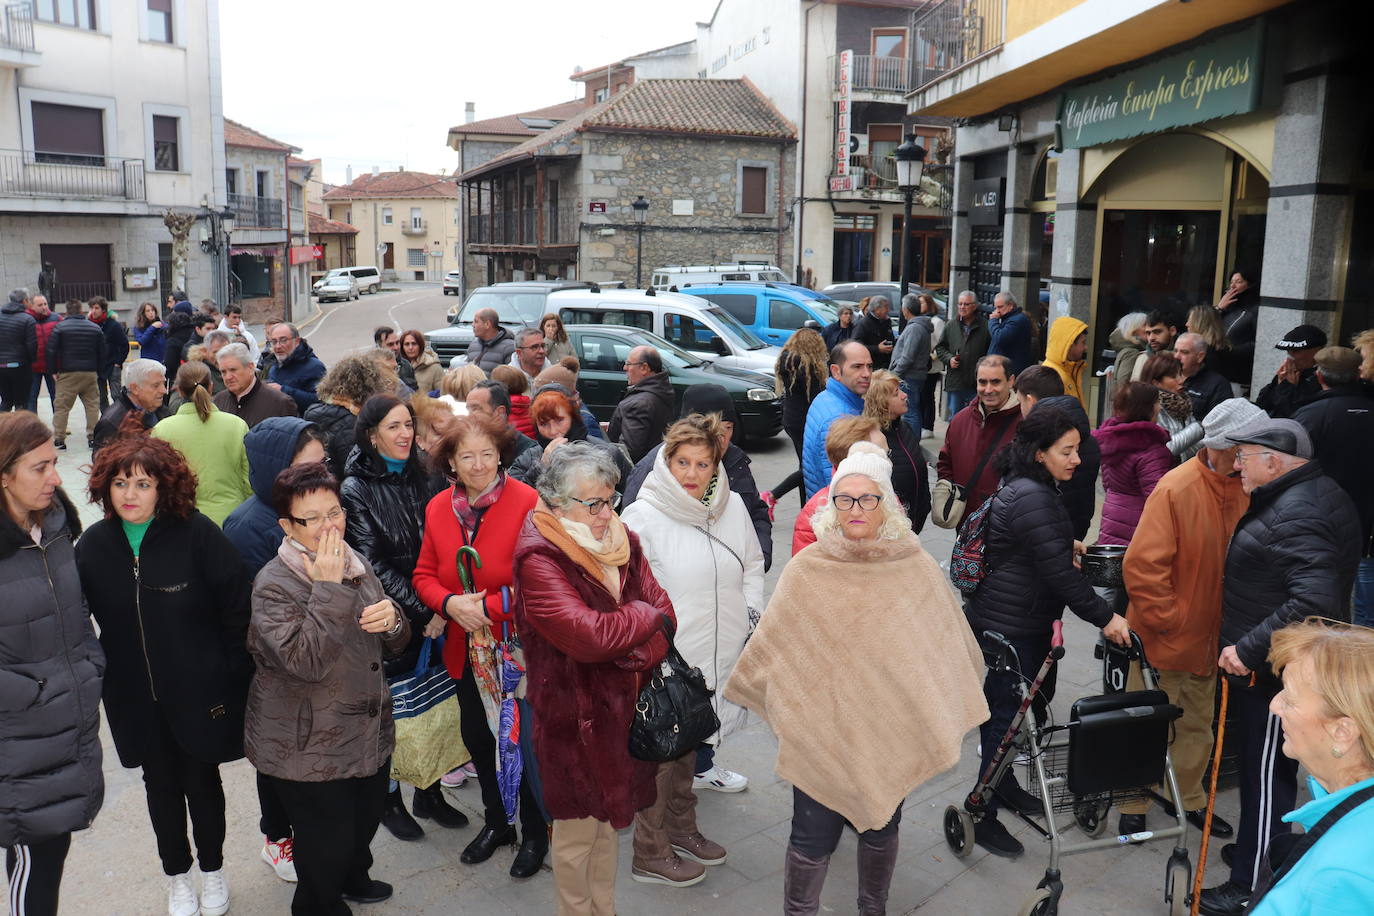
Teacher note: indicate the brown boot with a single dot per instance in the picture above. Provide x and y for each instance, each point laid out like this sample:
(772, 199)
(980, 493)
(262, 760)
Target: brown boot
(673, 871)
(696, 847)
(803, 878)
(877, 861)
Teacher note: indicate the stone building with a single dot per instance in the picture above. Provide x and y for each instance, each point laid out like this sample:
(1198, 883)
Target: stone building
(257, 179)
(714, 160)
(477, 142)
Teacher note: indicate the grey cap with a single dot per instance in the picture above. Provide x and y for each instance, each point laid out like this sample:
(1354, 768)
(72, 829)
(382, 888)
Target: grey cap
(1227, 417)
(1287, 436)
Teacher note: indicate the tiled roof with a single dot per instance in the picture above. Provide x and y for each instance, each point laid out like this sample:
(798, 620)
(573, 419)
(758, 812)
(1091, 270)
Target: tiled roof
(319, 225)
(395, 184)
(235, 134)
(709, 108)
(511, 124)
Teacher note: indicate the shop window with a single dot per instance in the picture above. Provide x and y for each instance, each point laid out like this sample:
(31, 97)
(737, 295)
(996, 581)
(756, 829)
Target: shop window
(166, 148)
(68, 133)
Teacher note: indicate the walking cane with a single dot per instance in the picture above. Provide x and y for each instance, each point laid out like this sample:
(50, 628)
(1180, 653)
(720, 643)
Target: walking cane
(1211, 795)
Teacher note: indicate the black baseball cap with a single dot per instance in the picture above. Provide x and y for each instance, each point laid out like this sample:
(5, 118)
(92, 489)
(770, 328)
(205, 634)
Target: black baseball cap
(1303, 337)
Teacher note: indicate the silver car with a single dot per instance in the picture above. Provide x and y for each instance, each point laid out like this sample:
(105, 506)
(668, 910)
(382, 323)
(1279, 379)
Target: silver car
(340, 286)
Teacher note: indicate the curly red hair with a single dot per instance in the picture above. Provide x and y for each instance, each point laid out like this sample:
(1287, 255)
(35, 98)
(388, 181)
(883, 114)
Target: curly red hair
(159, 459)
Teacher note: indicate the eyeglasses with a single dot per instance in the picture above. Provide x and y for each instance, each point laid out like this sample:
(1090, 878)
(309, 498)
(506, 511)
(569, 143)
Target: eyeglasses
(594, 506)
(868, 502)
(274, 341)
(537, 346)
(334, 516)
(1241, 459)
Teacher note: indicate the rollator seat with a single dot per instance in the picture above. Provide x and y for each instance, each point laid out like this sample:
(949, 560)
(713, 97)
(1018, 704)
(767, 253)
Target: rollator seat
(1117, 741)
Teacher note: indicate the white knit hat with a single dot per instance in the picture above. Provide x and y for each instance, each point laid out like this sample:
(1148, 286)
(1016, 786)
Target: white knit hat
(866, 459)
(1227, 417)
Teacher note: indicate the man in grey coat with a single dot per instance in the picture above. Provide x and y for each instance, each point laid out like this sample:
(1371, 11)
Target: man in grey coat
(911, 359)
(492, 345)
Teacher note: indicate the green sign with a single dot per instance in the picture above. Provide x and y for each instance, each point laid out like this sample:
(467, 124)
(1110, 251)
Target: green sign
(1213, 80)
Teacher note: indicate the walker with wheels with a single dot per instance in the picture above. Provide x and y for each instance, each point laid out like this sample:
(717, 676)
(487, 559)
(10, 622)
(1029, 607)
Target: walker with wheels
(1114, 748)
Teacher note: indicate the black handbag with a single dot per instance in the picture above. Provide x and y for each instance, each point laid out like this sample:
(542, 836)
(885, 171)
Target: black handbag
(674, 713)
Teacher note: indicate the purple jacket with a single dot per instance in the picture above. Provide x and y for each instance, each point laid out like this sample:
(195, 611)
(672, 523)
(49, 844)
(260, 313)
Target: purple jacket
(1134, 456)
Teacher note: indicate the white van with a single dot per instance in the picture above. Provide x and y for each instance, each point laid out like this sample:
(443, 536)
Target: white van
(369, 278)
(694, 324)
(756, 271)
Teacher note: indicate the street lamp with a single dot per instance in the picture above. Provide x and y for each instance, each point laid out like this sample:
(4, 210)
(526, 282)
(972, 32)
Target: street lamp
(910, 161)
(641, 213)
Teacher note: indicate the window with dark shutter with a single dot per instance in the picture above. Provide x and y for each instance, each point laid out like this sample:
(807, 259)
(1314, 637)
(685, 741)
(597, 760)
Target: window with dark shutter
(166, 155)
(68, 133)
(753, 189)
(160, 20)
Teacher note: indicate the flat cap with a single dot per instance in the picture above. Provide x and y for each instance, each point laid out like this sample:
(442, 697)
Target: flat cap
(1287, 436)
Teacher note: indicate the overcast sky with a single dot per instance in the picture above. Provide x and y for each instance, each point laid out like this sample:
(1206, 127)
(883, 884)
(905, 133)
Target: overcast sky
(364, 83)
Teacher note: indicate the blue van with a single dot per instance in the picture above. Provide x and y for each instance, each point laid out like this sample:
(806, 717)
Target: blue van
(771, 310)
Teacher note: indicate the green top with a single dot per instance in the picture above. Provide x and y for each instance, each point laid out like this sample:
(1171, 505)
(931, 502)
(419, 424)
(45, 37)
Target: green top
(135, 533)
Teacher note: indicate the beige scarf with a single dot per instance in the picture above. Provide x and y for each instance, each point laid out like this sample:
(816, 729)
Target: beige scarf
(862, 721)
(602, 559)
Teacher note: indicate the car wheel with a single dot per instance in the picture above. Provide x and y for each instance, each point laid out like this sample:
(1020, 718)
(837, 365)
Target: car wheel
(374, 288)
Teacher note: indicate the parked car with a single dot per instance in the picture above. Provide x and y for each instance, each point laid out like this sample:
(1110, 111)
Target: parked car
(668, 277)
(518, 305)
(339, 286)
(603, 349)
(692, 323)
(771, 310)
(453, 283)
(892, 291)
(369, 278)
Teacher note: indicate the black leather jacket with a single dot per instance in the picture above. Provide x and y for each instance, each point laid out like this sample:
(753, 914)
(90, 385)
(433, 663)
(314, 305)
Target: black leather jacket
(337, 423)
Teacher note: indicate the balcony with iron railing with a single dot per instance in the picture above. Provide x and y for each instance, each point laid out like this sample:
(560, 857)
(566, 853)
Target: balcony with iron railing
(953, 34)
(16, 35)
(252, 212)
(415, 227)
(24, 173)
(876, 177)
(868, 74)
(520, 227)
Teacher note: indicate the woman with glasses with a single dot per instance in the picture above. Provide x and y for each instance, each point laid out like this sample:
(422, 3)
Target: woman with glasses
(318, 723)
(483, 510)
(591, 617)
(703, 551)
(860, 721)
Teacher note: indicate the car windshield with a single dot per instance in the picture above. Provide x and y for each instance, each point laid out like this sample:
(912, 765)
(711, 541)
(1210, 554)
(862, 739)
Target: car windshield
(734, 330)
(827, 307)
(336, 281)
(511, 307)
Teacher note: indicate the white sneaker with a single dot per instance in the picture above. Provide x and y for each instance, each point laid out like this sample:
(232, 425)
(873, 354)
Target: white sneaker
(214, 893)
(721, 780)
(181, 897)
(280, 855)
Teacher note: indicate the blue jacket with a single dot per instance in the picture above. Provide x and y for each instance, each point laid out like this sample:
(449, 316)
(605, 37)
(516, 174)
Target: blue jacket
(1333, 878)
(1011, 337)
(834, 402)
(152, 342)
(252, 527)
(299, 374)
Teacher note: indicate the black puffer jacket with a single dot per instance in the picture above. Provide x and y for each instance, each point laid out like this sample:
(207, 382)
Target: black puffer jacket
(1079, 491)
(174, 626)
(179, 331)
(1341, 424)
(1293, 555)
(51, 666)
(337, 424)
(386, 514)
(76, 345)
(1031, 575)
(18, 335)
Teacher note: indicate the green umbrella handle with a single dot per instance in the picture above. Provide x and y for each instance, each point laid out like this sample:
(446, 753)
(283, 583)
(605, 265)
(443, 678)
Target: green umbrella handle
(464, 572)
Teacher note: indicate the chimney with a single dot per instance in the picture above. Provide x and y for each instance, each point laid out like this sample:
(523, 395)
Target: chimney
(348, 174)
(469, 112)
(375, 170)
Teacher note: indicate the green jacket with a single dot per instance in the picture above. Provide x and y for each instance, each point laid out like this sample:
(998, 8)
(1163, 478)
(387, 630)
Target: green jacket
(215, 451)
(970, 348)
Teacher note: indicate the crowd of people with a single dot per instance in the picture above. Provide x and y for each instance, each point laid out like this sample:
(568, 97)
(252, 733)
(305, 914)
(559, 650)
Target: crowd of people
(284, 544)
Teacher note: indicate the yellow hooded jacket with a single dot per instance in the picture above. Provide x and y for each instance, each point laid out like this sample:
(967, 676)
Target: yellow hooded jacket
(1063, 333)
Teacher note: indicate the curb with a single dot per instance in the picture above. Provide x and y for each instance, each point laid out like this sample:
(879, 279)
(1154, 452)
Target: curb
(319, 313)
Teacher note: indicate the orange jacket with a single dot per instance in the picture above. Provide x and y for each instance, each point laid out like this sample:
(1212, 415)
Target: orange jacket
(1174, 566)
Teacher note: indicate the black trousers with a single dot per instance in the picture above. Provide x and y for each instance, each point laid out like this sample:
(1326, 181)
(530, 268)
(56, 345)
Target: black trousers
(928, 401)
(14, 388)
(481, 744)
(793, 480)
(1003, 693)
(35, 875)
(335, 821)
(816, 829)
(273, 821)
(107, 382)
(176, 781)
(1268, 779)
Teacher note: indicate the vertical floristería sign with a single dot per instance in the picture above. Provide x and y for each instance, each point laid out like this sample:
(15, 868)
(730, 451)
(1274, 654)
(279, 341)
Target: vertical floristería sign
(1216, 79)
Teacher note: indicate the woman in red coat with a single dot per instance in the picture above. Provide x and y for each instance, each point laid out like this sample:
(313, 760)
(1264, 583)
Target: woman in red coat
(484, 509)
(591, 617)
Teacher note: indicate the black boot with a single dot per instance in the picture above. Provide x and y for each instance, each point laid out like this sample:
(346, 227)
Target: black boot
(877, 861)
(802, 880)
(430, 803)
(397, 819)
(530, 858)
(486, 843)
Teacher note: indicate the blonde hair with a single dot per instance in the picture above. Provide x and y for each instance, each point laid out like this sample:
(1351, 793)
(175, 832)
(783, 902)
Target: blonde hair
(844, 432)
(696, 429)
(1364, 342)
(456, 383)
(1342, 672)
(514, 380)
(813, 359)
(1205, 323)
(193, 384)
(431, 414)
(884, 385)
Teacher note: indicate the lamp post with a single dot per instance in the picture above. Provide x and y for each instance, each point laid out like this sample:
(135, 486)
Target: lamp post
(641, 212)
(211, 244)
(910, 162)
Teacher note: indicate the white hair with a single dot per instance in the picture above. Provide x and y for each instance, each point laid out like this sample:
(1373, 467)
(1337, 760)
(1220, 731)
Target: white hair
(236, 351)
(1130, 323)
(140, 370)
(895, 524)
(1196, 340)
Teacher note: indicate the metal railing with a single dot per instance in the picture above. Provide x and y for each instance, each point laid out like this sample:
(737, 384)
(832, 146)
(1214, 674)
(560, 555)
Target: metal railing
(561, 226)
(256, 212)
(953, 34)
(24, 173)
(16, 27)
(877, 74)
(519, 227)
(84, 290)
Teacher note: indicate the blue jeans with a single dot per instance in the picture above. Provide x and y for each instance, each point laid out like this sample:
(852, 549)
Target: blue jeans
(912, 417)
(956, 401)
(1364, 593)
(37, 386)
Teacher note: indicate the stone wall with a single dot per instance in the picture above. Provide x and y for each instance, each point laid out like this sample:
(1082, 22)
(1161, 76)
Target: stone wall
(702, 172)
(476, 152)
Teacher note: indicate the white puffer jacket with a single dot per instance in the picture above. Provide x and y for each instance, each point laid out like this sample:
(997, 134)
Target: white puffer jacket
(713, 580)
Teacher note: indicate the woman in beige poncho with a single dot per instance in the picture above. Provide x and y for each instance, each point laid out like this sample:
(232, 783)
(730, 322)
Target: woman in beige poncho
(869, 675)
